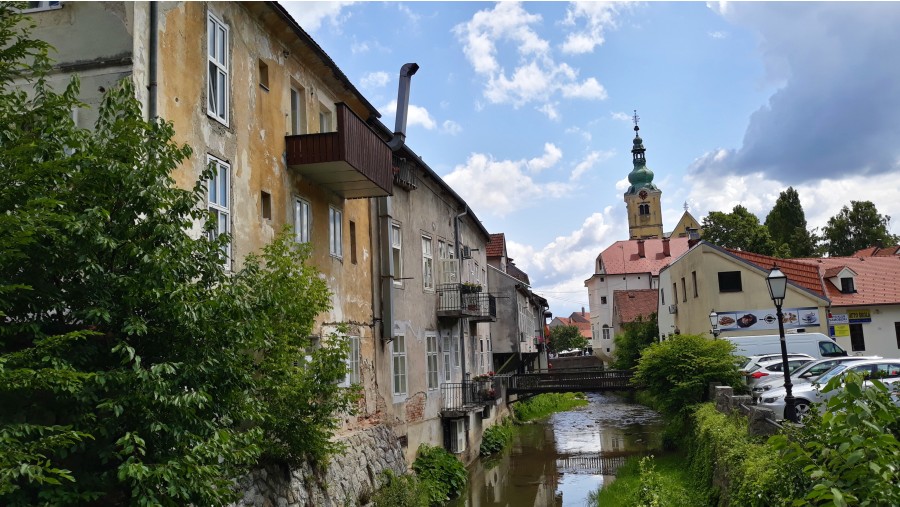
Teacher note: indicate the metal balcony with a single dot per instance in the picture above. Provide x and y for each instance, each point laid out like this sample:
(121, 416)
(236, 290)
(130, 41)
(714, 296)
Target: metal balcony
(456, 301)
(352, 162)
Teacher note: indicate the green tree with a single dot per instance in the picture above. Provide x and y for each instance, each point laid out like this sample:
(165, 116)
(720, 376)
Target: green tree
(855, 228)
(739, 230)
(677, 372)
(638, 335)
(786, 224)
(565, 338)
(134, 370)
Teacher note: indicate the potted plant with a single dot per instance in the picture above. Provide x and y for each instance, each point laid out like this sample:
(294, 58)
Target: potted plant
(471, 288)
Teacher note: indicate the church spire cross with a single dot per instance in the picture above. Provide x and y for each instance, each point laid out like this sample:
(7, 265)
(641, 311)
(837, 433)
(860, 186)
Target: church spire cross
(636, 119)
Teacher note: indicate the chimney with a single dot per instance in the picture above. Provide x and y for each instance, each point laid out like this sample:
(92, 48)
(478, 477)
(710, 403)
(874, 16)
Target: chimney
(406, 73)
(666, 251)
(582, 311)
(640, 248)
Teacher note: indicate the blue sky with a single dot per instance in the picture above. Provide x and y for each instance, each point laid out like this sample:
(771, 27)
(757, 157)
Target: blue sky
(524, 108)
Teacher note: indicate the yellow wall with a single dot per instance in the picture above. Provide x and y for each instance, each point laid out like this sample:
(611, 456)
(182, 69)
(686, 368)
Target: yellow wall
(644, 226)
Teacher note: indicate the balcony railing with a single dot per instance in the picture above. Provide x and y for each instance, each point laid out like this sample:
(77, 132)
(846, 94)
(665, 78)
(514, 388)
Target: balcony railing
(467, 396)
(455, 300)
(352, 162)
(405, 173)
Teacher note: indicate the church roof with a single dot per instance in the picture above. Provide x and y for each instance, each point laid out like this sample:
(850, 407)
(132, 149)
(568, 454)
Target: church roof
(622, 257)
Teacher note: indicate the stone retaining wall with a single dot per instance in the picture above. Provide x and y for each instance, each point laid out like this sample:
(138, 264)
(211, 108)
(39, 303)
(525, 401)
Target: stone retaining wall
(351, 477)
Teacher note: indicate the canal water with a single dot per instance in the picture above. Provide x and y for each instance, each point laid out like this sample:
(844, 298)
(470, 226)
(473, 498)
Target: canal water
(560, 461)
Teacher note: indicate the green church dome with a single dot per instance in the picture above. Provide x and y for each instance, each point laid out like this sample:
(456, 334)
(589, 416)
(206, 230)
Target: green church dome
(641, 176)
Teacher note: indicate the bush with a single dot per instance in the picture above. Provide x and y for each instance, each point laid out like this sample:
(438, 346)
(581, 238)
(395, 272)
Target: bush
(660, 481)
(545, 404)
(400, 491)
(638, 335)
(440, 473)
(496, 438)
(677, 372)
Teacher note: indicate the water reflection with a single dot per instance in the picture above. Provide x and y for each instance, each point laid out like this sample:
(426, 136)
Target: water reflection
(560, 461)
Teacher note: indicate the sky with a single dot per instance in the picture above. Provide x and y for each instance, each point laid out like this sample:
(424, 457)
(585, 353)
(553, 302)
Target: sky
(525, 109)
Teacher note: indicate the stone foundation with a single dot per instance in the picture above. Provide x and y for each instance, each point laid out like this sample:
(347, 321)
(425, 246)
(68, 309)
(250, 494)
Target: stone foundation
(351, 477)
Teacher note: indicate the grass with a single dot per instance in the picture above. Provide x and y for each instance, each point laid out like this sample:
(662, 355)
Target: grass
(671, 475)
(543, 405)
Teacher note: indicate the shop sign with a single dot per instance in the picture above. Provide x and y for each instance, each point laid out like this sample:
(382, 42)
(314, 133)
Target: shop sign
(838, 318)
(753, 320)
(859, 316)
(839, 330)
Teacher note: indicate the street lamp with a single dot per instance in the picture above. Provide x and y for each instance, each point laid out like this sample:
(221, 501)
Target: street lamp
(714, 322)
(777, 283)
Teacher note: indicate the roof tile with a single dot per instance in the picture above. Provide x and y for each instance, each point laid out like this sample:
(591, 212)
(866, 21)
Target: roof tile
(631, 304)
(496, 245)
(622, 256)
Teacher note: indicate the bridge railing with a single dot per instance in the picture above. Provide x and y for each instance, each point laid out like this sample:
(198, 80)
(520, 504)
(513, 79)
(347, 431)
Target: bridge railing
(571, 380)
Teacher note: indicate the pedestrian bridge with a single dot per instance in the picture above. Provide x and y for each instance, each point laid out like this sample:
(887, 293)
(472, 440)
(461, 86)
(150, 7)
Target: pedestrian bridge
(570, 381)
(590, 463)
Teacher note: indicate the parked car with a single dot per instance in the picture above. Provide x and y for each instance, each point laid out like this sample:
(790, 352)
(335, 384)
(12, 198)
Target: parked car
(773, 368)
(816, 345)
(805, 395)
(803, 374)
(752, 362)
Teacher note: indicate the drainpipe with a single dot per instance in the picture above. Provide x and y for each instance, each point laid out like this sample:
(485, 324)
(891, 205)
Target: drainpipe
(151, 60)
(463, 322)
(385, 211)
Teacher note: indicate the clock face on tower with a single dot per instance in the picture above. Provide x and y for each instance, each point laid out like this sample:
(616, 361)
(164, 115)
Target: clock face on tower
(643, 195)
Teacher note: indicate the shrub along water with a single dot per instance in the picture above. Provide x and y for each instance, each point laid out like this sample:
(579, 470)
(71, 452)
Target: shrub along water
(440, 473)
(496, 438)
(545, 404)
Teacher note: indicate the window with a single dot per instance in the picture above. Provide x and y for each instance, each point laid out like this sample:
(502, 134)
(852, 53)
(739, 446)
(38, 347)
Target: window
(324, 119)
(265, 204)
(445, 350)
(830, 349)
(298, 110)
(602, 300)
(730, 281)
(263, 75)
(675, 292)
(683, 290)
(456, 352)
(398, 355)
(457, 435)
(427, 264)
(644, 209)
(352, 242)
(335, 231)
(442, 249)
(897, 332)
(847, 285)
(662, 296)
(431, 359)
(302, 220)
(42, 6)
(397, 251)
(857, 338)
(217, 74)
(219, 202)
(353, 361)
(694, 281)
(605, 332)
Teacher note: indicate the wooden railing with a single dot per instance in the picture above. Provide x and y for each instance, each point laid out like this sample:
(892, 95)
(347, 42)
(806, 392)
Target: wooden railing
(570, 381)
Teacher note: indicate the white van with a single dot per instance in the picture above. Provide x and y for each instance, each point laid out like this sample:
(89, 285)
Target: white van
(816, 345)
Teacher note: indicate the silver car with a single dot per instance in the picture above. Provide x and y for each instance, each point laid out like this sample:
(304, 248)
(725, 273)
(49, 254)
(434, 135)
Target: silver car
(774, 368)
(886, 370)
(803, 374)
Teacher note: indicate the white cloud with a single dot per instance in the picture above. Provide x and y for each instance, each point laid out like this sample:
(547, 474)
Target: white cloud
(550, 109)
(504, 186)
(622, 184)
(359, 47)
(588, 163)
(552, 155)
(507, 21)
(620, 116)
(718, 34)
(375, 80)
(577, 131)
(588, 89)
(451, 127)
(416, 115)
(597, 16)
(311, 15)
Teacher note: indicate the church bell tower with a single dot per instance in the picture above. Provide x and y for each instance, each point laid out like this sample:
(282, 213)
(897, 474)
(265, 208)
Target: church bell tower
(642, 199)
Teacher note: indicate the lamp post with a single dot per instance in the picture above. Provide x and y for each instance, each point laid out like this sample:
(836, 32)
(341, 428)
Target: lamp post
(714, 322)
(777, 283)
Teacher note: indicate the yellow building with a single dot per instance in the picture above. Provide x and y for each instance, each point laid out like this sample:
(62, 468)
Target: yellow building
(642, 198)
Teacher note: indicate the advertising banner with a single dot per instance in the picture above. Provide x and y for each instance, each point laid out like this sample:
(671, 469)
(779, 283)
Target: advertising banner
(838, 318)
(859, 316)
(840, 330)
(765, 320)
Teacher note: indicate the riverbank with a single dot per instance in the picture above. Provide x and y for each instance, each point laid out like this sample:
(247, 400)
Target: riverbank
(546, 404)
(663, 478)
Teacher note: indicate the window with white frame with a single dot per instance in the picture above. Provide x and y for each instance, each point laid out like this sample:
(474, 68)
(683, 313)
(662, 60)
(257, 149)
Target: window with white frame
(431, 360)
(442, 249)
(302, 220)
(456, 352)
(298, 110)
(397, 253)
(398, 355)
(427, 264)
(445, 350)
(42, 6)
(353, 361)
(217, 73)
(457, 435)
(335, 231)
(605, 332)
(219, 203)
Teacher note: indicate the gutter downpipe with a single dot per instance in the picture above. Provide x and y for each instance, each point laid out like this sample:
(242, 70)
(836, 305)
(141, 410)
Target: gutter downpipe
(385, 210)
(152, 60)
(463, 321)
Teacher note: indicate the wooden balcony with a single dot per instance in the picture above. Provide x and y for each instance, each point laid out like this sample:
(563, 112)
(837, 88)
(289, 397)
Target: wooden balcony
(352, 162)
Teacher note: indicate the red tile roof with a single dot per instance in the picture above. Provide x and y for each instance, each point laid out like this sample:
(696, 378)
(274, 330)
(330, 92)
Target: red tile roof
(799, 272)
(622, 256)
(496, 245)
(585, 328)
(832, 272)
(877, 251)
(877, 280)
(631, 304)
(564, 321)
(580, 317)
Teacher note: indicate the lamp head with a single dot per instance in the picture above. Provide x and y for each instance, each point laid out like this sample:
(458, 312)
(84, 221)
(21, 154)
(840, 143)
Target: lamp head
(777, 283)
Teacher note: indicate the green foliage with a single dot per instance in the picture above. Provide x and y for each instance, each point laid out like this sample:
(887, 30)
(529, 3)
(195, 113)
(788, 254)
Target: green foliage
(739, 230)
(850, 454)
(440, 473)
(400, 491)
(677, 372)
(855, 228)
(786, 223)
(545, 404)
(638, 335)
(496, 438)
(642, 481)
(565, 338)
(134, 370)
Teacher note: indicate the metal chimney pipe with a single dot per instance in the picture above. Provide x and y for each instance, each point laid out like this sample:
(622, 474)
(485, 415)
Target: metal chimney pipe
(406, 73)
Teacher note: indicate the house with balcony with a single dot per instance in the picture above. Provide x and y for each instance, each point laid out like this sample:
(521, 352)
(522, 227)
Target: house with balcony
(518, 335)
